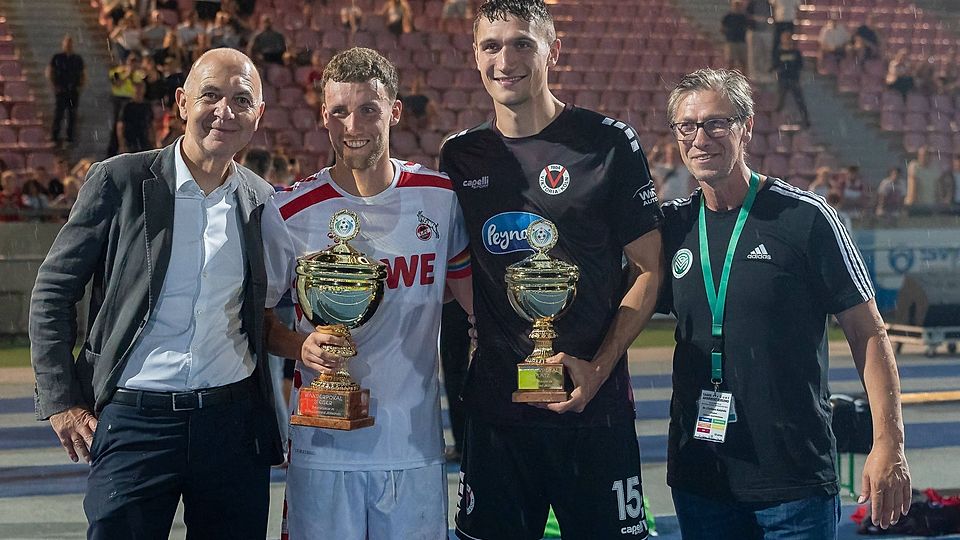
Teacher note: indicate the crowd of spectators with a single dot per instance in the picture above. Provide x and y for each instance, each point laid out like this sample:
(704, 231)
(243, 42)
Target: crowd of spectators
(38, 194)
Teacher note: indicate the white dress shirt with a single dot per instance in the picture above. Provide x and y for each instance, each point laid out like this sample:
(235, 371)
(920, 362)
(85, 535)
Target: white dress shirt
(193, 338)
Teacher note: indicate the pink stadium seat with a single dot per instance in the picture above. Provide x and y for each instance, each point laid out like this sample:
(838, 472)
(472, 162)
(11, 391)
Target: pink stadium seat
(334, 39)
(775, 164)
(317, 141)
(14, 160)
(41, 159)
(404, 143)
(469, 118)
(24, 113)
(7, 48)
(917, 102)
(891, 101)
(913, 140)
(364, 39)
(10, 69)
(34, 137)
(588, 99)
(439, 79)
(915, 122)
(891, 121)
(430, 141)
(869, 101)
(801, 164)
(279, 76)
(275, 119)
(8, 136)
(290, 96)
(305, 118)
(941, 142)
(455, 99)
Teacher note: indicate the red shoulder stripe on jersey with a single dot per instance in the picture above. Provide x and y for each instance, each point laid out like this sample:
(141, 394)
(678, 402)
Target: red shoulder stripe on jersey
(322, 193)
(410, 179)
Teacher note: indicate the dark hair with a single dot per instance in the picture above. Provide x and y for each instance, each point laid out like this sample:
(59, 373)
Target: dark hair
(534, 12)
(258, 160)
(359, 65)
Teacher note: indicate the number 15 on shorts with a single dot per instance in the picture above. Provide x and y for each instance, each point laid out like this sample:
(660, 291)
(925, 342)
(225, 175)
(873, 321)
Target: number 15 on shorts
(629, 498)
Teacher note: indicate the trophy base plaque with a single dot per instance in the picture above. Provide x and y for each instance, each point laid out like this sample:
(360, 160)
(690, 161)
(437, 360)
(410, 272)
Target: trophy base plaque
(333, 409)
(539, 383)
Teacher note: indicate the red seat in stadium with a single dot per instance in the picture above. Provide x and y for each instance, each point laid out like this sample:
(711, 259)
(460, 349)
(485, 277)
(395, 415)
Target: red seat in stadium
(403, 143)
(8, 136)
(14, 160)
(913, 140)
(24, 113)
(455, 99)
(279, 76)
(276, 119)
(430, 142)
(290, 96)
(10, 69)
(775, 164)
(891, 121)
(34, 137)
(915, 122)
(940, 142)
(917, 102)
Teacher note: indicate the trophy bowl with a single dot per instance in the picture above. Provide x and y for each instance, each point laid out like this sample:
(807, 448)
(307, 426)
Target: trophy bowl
(338, 289)
(540, 289)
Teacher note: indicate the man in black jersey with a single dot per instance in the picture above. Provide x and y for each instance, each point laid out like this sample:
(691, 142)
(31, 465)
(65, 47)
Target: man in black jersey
(756, 267)
(540, 158)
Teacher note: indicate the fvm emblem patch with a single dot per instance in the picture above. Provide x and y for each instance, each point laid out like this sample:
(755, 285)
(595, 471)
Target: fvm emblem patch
(554, 179)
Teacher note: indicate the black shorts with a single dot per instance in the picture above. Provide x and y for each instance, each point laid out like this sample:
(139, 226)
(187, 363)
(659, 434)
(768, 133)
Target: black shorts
(511, 475)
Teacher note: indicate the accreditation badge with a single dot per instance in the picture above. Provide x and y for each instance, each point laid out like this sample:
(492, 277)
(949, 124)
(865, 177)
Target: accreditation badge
(713, 416)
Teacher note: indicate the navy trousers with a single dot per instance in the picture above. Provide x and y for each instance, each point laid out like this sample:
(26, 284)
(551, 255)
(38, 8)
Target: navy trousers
(145, 460)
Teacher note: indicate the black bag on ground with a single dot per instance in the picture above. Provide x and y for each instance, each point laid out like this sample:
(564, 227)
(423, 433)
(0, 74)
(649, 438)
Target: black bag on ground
(852, 424)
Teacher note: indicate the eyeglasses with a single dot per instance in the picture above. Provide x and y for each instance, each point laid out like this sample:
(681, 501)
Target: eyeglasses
(715, 128)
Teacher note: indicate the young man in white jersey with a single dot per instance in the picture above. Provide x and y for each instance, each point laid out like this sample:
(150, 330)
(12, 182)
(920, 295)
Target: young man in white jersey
(386, 481)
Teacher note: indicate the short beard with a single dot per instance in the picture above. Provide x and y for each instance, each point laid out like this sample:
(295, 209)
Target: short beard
(359, 163)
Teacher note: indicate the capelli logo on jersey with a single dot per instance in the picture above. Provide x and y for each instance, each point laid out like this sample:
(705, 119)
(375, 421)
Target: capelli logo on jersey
(427, 228)
(554, 179)
(507, 232)
(635, 530)
(477, 183)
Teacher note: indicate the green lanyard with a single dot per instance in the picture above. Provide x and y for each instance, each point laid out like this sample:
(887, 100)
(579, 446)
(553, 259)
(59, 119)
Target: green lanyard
(718, 298)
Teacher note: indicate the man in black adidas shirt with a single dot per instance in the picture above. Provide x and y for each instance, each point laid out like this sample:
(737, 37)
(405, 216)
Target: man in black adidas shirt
(750, 446)
(586, 173)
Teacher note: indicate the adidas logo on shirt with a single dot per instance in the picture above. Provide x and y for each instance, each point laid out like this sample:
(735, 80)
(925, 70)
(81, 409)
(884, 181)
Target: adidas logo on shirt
(759, 252)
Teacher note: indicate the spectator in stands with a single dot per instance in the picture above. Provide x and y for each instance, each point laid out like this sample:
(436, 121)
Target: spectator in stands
(759, 40)
(224, 32)
(50, 184)
(111, 13)
(900, 74)
(734, 26)
(399, 16)
(32, 196)
(923, 176)
(351, 17)
(950, 184)
(284, 171)
(123, 81)
(822, 184)
(80, 169)
(207, 10)
(857, 196)
(318, 60)
(835, 200)
(453, 10)
(67, 75)
(788, 66)
(125, 38)
(61, 170)
(945, 78)
(784, 17)
(152, 35)
(418, 110)
(173, 78)
(156, 86)
(865, 43)
(924, 74)
(834, 39)
(267, 44)
(71, 188)
(172, 50)
(135, 124)
(188, 32)
(890, 196)
(170, 130)
(9, 196)
(671, 177)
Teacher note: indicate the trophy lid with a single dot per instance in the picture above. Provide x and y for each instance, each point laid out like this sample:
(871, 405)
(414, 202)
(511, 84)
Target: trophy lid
(341, 262)
(540, 269)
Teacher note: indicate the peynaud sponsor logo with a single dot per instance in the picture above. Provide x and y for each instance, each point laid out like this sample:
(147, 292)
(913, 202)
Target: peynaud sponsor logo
(507, 232)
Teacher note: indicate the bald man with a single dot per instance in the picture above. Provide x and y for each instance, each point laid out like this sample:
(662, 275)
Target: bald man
(169, 396)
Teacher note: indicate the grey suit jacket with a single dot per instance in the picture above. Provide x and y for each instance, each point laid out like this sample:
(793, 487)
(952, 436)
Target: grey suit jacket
(119, 236)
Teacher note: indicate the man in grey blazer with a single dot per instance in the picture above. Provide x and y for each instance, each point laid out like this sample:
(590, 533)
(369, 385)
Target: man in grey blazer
(169, 396)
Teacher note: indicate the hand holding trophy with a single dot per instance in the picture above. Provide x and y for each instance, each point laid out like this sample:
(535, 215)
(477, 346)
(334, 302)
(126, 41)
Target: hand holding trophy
(540, 289)
(338, 289)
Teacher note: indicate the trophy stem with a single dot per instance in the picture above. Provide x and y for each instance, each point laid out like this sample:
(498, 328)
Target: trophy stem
(542, 336)
(340, 380)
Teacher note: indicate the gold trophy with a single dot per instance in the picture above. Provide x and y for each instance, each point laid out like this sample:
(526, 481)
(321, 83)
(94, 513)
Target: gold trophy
(338, 289)
(540, 289)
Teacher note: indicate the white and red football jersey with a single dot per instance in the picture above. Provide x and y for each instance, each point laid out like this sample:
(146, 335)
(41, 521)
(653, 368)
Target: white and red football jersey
(415, 227)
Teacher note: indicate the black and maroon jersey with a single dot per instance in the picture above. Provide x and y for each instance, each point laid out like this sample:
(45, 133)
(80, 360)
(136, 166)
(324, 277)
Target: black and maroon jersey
(587, 174)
